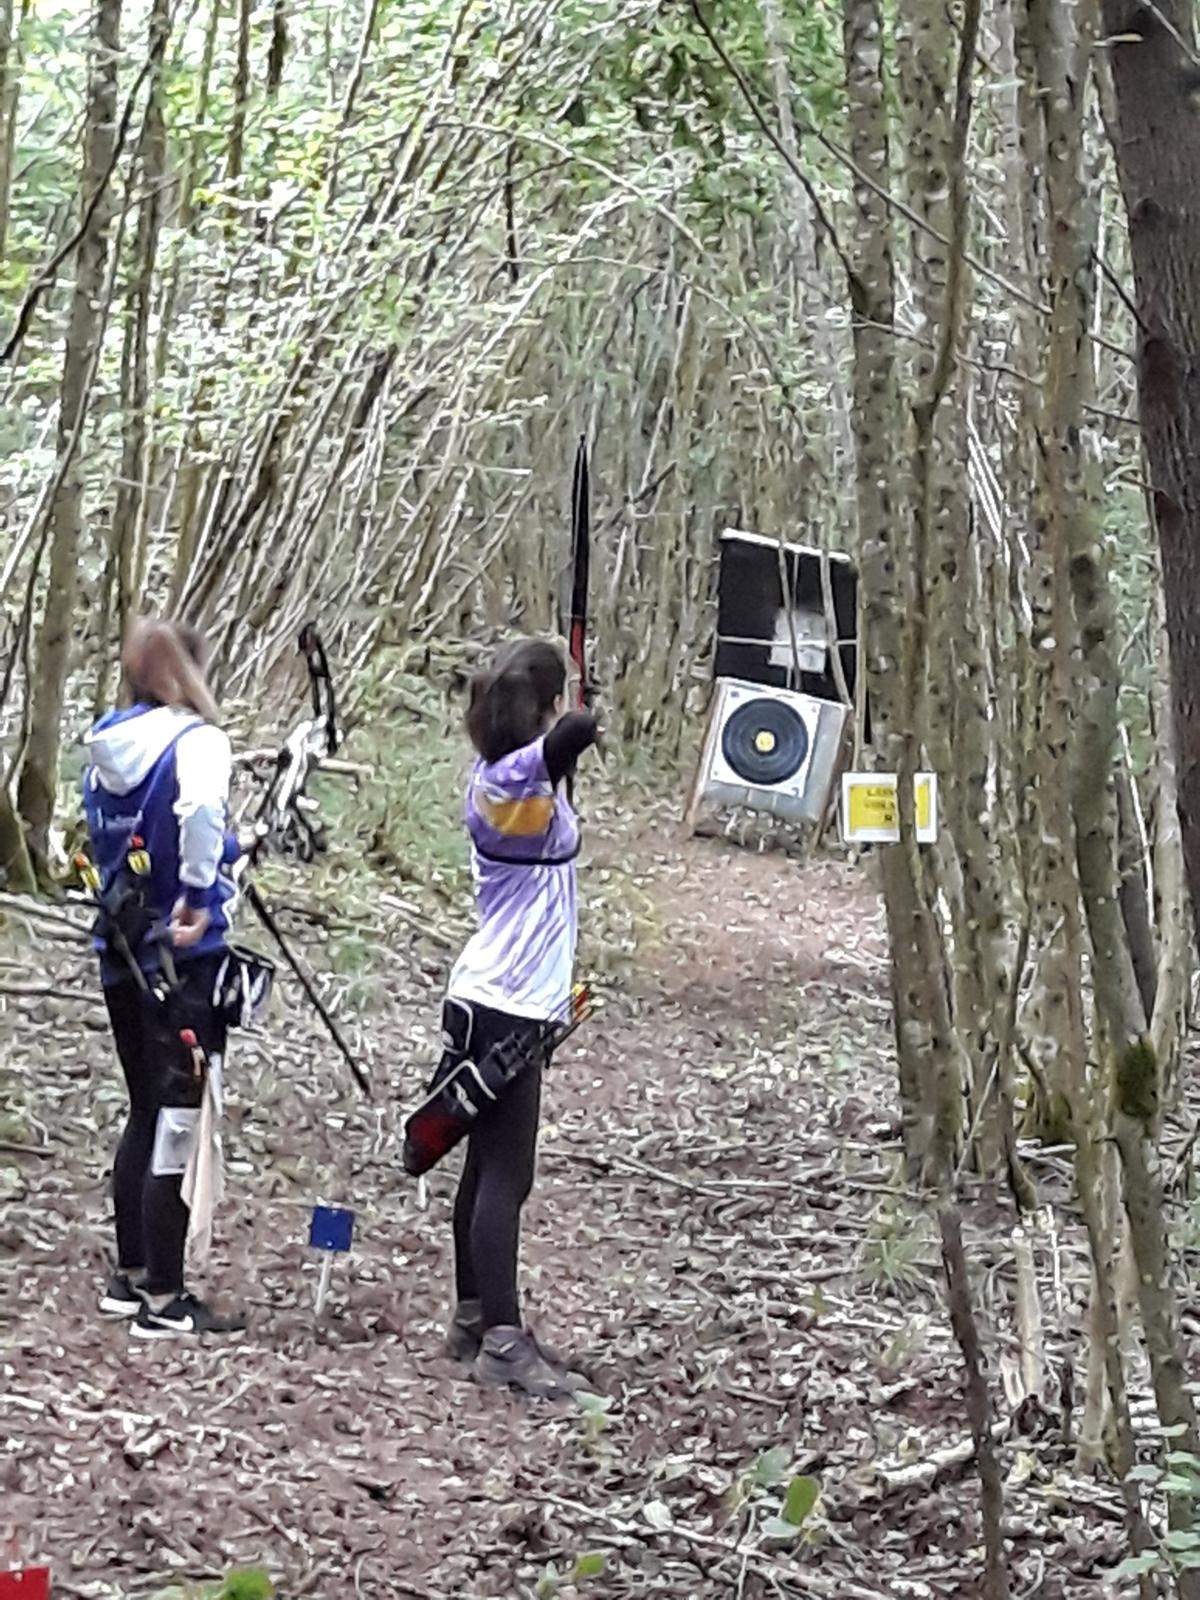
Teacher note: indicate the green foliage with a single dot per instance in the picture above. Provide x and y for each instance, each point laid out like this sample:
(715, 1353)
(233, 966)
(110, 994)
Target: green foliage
(246, 1583)
(552, 1582)
(895, 1252)
(597, 1418)
(1178, 1549)
(799, 1503)
(403, 819)
(779, 1520)
(242, 1583)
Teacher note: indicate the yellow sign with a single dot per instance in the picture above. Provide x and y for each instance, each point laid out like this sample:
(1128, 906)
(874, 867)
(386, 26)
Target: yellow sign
(871, 814)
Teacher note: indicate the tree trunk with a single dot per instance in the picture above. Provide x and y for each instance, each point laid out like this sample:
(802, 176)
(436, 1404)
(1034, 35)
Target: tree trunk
(278, 52)
(38, 784)
(1157, 148)
(10, 89)
(882, 541)
(236, 157)
(978, 1401)
(1135, 900)
(1119, 1007)
(134, 461)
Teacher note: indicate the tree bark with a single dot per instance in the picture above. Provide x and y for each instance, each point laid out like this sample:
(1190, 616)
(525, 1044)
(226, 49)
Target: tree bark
(10, 89)
(1157, 147)
(236, 157)
(38, 783)
(1119, 1005)
(979, 1406)
(133, 485)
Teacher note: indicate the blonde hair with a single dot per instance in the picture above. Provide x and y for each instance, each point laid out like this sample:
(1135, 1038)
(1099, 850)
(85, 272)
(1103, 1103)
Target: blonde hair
(164, 662)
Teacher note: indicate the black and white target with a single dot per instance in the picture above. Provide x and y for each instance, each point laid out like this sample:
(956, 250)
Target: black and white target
(765, 742)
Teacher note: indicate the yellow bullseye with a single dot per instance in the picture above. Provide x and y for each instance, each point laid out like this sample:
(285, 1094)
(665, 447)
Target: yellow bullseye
(764, 741)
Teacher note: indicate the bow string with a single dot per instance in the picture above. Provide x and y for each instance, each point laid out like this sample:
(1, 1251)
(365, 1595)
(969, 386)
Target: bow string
(286, 819)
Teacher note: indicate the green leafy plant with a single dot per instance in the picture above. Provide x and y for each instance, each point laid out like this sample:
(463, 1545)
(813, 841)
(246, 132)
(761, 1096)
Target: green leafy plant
(552, 1582)
(800, 1501)
(1178, 1549)
(894, 1257)
(597, 1416)
(758, 1488)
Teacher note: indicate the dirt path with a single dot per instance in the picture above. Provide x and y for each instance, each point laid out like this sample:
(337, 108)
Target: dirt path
(716, 1234)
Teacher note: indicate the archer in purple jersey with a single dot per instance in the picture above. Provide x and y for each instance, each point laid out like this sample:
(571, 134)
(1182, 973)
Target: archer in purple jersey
(513, 976)
(524, 838)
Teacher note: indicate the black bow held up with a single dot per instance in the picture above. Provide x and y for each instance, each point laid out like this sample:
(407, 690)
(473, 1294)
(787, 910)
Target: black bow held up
(286, 818)
(577, 605)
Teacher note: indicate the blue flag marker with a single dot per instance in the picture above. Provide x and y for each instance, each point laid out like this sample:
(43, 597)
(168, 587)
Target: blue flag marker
(331, 1232)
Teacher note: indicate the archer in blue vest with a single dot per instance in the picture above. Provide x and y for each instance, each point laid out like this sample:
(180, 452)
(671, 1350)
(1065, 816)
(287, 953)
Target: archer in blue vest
(157, 787)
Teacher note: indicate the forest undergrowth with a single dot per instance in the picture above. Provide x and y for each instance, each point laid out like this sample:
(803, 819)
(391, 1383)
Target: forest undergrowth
(721, 1236)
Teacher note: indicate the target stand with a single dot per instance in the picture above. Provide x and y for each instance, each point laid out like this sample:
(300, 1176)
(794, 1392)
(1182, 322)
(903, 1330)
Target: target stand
(769, 749)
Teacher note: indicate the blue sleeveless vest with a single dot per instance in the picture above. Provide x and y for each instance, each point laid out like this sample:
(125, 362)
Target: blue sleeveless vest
(148, 812)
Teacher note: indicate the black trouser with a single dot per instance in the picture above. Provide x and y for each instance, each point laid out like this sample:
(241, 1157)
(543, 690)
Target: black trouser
(152, 1219)
(496, 1179)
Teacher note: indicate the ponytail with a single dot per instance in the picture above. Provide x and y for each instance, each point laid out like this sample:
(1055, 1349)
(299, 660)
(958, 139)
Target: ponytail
(164, 663)
(509, 702)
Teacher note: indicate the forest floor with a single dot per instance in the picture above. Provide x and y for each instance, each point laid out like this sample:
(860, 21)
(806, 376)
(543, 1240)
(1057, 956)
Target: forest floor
(719, 1234)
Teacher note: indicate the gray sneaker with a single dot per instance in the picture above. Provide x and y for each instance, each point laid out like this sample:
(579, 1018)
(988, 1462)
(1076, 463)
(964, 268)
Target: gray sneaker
(511, 1358)
(465, 1333)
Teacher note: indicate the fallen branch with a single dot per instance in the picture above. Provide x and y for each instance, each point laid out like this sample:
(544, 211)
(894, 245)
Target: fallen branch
(50, 991)
(36, 911)
(924, 1474)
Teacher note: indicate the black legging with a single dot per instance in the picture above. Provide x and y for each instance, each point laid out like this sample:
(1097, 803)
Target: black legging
(496, 1181)
(152, 1219)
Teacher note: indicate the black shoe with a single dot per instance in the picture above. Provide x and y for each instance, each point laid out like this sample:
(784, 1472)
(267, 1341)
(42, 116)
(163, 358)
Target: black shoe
(183, 1317)
(465, 1333)
(122, 1298)
(511, 1358)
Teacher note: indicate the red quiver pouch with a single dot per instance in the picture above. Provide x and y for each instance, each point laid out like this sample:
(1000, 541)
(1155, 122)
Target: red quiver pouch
(462, 1089)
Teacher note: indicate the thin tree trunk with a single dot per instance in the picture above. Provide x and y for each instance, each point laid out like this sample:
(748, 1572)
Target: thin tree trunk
(979, 1405)
(133, 485)
(1157, 149)
(10, 93)
(278, 52)
(882, 532)
(1135, 901)
(38, 783)
(236, 157)
(1174, 949)
(939, 100)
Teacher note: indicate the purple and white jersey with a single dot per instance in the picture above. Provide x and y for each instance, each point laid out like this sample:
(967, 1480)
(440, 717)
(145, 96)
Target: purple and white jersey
(524, 840)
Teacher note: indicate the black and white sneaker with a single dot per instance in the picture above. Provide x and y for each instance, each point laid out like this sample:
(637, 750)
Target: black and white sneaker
(122, 1298)
(183, 1317)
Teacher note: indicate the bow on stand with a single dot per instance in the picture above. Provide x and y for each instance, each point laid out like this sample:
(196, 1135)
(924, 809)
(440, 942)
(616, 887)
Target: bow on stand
(286, 818)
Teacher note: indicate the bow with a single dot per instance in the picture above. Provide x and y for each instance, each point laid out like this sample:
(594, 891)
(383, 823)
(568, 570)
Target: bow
(581, 533)
(285, 817)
